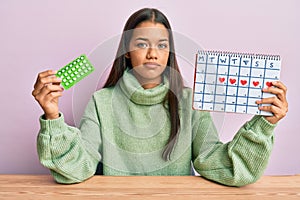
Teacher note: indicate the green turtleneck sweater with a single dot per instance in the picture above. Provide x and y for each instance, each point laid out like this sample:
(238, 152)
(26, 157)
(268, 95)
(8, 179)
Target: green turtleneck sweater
(126, 127)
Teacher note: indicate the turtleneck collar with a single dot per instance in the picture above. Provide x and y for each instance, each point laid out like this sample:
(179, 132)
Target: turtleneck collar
(137, 94)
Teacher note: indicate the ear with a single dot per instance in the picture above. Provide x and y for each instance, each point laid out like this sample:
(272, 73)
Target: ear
(127, 55)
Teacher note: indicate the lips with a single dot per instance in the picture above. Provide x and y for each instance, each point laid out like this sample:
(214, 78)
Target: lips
(151, 65)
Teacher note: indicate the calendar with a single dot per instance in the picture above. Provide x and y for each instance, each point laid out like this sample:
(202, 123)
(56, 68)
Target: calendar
(233, 82)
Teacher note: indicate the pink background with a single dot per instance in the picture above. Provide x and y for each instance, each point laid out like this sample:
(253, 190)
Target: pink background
(38, 35)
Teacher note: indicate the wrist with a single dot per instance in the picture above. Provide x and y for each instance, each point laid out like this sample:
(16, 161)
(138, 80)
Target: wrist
(51, 116)
(272, 120)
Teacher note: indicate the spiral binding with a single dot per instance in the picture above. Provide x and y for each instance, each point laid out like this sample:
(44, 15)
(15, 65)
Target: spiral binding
(239, 54)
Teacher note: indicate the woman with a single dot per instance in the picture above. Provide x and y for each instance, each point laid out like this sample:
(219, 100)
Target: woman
(142, 122)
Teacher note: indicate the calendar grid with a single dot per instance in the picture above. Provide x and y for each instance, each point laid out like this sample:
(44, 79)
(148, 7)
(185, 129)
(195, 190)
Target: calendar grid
(237, 92)
(226, 89)
(204, 79)
(249, 88)
(232, 82)
(264, 79)
(216, 81)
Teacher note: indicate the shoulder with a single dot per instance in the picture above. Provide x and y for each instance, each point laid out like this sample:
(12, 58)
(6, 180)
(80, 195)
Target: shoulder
(188, 92)
(186, 101)
(103, 91)
(187, 96)
(103, 94)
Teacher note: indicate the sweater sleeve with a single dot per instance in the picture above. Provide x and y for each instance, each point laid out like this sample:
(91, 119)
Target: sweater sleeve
(239, 162)
(71, 154)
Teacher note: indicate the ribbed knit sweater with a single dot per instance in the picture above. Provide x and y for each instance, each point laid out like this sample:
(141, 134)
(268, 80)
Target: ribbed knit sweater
(126, 127)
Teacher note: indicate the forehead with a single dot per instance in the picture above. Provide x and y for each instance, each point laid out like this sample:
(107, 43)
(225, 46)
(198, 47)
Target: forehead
(150, 30)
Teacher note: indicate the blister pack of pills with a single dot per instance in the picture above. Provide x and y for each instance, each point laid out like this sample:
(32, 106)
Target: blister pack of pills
(75, 71)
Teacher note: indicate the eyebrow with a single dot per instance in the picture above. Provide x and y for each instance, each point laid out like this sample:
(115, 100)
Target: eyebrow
(145, 39)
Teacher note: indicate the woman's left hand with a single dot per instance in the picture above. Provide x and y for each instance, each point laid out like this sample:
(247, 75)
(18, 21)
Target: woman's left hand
(279, 104)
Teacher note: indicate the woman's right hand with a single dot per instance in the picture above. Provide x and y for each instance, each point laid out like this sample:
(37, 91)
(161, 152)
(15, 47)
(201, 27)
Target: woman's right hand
(46, 91)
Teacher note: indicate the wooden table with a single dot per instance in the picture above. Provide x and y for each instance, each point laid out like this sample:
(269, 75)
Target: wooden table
(25, 187)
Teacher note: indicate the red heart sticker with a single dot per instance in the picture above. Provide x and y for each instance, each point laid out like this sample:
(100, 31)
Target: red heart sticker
(232, 80)
(221, 79)
(255, 83)
(243, 82)
(269, 84)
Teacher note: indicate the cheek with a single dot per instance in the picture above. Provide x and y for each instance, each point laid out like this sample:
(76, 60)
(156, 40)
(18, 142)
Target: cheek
(137, 57)
(165, 56)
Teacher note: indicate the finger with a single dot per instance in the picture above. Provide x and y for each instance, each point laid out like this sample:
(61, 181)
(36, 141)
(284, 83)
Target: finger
(46, 73)
(273, 109)
(280, 85)
(280, 93)
(52, 95)
(51, 88)
(43, 75)
(46, 102)
(271, 100)
(47, 81)
(277, 112)
(46, 90)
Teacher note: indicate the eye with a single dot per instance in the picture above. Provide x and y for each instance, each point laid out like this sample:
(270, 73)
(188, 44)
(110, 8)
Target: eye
(162, 46)
(142, 45)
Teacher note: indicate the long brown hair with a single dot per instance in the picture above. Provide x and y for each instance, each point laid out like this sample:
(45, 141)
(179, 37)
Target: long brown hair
(172, 72)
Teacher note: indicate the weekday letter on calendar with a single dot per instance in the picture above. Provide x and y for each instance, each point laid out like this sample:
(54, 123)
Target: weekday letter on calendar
(233, 82)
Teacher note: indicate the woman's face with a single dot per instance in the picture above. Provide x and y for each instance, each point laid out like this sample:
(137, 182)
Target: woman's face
(149, 53)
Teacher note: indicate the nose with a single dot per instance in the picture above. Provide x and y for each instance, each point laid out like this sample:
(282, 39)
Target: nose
(152, 53)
